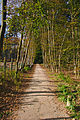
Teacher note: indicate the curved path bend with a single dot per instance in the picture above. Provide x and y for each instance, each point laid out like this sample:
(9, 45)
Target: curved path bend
(39, 101)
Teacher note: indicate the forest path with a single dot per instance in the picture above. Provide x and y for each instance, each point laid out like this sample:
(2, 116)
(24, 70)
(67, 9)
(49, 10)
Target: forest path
(39, 101)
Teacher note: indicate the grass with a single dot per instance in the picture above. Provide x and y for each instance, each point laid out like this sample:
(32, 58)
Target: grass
(70, 91)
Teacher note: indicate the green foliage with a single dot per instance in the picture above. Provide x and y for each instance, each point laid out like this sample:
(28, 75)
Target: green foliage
(61, 76)
(1, 115)
(27, 68)
(69, 91)
(11, 78)
(55, 74)
(66, 79)
(76, 116)
(65, 91)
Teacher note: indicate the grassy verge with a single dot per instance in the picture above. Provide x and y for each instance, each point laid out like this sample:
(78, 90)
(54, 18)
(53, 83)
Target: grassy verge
(69, 94)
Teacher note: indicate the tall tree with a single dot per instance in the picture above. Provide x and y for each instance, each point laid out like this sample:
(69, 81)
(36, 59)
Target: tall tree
(3, 24)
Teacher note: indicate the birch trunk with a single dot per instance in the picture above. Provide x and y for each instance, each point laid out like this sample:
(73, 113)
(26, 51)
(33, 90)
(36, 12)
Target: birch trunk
(18, 55)
(26, 53)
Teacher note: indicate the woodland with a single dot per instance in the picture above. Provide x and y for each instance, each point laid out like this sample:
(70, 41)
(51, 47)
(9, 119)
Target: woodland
(40, 32)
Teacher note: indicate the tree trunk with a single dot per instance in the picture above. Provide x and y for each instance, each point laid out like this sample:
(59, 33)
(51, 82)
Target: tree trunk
(5, 66)
(11, 64)
(26, 53)
(74, 61)
(18, 55)
(3, 25)
(59, 62)
(52, 44)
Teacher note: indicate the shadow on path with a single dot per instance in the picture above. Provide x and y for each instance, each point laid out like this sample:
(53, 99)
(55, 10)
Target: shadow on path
(60, 118)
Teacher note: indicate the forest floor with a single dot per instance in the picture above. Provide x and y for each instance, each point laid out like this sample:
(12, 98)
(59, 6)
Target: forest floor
(38, 100)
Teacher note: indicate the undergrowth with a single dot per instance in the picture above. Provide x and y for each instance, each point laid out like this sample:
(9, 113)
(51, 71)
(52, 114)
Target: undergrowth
(26, 68)
(9, 84)
(69, 94)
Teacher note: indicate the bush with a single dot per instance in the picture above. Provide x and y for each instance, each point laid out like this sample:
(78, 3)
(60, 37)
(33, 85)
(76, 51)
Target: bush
(26, 69)
(61, 76)
(10, 79)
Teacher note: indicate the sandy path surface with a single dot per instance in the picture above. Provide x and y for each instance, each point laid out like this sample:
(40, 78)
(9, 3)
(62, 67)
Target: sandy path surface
(39, 101)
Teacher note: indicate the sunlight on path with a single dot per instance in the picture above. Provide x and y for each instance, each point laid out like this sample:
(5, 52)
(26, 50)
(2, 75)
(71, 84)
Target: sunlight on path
(39, 103)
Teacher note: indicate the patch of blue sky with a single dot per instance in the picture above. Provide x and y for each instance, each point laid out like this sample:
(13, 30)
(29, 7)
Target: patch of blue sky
(0, 19)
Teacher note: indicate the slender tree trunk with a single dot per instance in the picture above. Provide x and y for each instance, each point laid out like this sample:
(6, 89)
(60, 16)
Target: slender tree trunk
(32, 56)
(56, 66)
(78, 54)
(45, 59)
(53, 43)
(60, 52)
(49, 43)
(59, 62)
(49, 48)
(73, 39)
(28, 58)
(11, 64)
(43, 46)
(3, 24)
(18, 55)
(78, 68)
(43, 56)
(5, 66)
(26, 53)
(74, 61)
(53, 38)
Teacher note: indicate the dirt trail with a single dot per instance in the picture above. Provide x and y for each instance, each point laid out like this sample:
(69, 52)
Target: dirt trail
(39, 102)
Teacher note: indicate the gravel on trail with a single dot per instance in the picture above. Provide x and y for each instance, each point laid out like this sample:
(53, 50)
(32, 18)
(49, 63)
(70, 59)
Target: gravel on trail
(39, 101)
